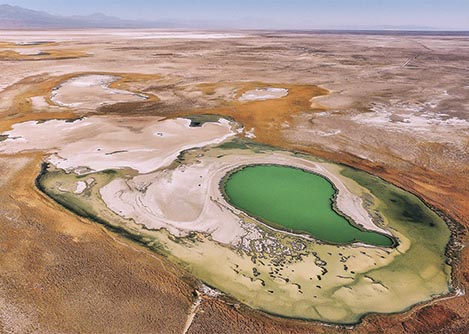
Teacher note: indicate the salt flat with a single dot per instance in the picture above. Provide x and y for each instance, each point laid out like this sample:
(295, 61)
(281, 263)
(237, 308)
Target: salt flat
(98, 143)
(392, 105)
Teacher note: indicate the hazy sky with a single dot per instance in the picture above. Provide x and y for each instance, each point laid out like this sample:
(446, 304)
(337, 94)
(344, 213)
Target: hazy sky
(303, 14)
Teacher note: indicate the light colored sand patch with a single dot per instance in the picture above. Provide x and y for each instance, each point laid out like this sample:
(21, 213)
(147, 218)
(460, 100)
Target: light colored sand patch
(9, 167)
(322, 133)
(39, 102)
(412, 117)
(264, 94)
(250, 133)
(80, 187)
(332, 101)
(100, 143)
(30, 37)
(28, 51)
(90, 92)
(175, 201)
(208, 291)
(176, 35)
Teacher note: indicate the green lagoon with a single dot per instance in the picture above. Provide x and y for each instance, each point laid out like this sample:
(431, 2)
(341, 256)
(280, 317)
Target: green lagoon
(295, 200)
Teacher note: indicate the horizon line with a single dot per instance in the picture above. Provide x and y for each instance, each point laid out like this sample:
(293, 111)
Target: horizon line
(325, 30)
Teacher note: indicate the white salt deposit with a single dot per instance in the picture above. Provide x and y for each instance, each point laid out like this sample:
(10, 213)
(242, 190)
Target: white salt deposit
(264, 94)
(90, 92)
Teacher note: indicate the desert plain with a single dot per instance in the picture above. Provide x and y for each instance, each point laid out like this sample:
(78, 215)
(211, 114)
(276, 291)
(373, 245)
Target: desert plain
(114, 146)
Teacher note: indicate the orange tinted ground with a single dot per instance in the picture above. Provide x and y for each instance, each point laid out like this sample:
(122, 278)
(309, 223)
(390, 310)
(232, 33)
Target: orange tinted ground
(128, 273)
(53, 54)
(9, 45)
(267, 117)
(63, 274)
(21, 108)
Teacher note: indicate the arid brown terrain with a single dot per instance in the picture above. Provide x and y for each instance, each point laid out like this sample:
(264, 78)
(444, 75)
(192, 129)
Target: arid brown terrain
(394, 105)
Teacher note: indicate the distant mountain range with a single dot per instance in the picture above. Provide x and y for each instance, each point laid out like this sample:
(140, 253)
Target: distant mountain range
(14, 17)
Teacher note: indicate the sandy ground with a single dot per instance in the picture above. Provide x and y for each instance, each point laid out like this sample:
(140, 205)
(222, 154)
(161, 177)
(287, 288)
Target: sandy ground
(90, 92)
(99, 143)
(380, 87)
(32, 37)
(264, 94)
(29, 51)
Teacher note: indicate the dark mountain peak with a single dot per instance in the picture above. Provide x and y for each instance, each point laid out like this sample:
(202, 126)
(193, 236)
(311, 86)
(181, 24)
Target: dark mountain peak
(15, 17)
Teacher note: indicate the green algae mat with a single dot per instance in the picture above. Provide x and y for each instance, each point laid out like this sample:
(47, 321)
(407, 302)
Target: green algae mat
(295, 200)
